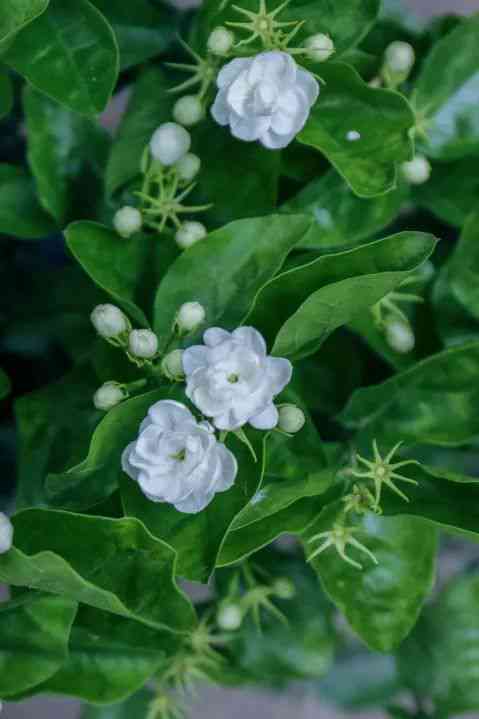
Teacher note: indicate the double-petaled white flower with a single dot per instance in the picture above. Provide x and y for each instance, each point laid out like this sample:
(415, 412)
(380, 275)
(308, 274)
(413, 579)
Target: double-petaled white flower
(266, 98)
(177, 460)
(232, 380)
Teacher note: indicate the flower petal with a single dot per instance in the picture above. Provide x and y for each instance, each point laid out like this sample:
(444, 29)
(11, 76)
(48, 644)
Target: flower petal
(267, 419)
(280, 372)
(214, 336)
(169, 414)
(193, 358)
(252, 338)
(230, 72)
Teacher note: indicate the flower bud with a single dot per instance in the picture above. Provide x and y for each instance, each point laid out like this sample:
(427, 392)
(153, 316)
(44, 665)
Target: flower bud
(188, 110)
(169, 143)
(6, 534)
(143, 344)
(127, 221)
(190, 316)
(172, 366)
(399, 58)
(189, 234)
(320, 47)
(221, 41)
(108, 395)
(188, 167)
(291, 418)
(417, 171)
(284, 588)
(399, 336)
(229, 617)
(109, 321)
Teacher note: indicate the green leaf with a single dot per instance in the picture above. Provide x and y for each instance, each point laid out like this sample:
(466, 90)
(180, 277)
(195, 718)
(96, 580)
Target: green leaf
(4, 384)
(6, 94)
(381, 602)
(227, 270)
(198, 538)
(54, 426)
(111, 564)
(312, 300)
(342, 218)
(70, 54)
(448, 111)
(360, 680)
(381, 117)
(20, 213)
(149, 107)
(433, 402)
(67, 154)
(251, 190)
(34, 631)
(142, 30)
(439, 660)
(110, 657)
(346, 25)
(18, 13)
(128, 270)
(135, 706)
(452, 191)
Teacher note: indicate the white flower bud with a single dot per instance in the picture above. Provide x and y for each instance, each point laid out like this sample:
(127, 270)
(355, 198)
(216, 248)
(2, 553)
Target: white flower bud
(291, 418)
(127, 221)
(399, 57)
(417, 171)
(284, 588)
(399, 336)
(188, 110)
(172, 365)
(169, 143)
(6, 534)
(190, 316)
(189, 234)
(229, 617)
(221, 41)
(109, 321)
(108, 395)
(320, 47)
(143, 344)
(188, 167)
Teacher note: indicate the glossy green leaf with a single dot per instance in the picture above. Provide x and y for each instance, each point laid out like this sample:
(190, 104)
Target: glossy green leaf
(346, 24)
(111, 564)
(4, 384)
(452, 192)
(110, 657)
(6, 94)
(20, 212)
(313, 299)
(227, 270)
(18, 13)
(342, 218)
(128, 270)
(259, 656)
(70, 54)
(433, 402)
(382, 118)
(198, 538)
(381, 602)
(34, 632)
(440, 659)
(448, 110)
(135, 706)
(142, 29)
(148, 107)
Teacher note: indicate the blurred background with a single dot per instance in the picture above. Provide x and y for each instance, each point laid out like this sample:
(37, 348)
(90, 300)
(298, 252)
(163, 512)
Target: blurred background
(27, 361)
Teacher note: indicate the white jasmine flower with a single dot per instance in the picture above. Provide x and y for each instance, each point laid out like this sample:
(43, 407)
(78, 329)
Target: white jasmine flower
(188, 110)
(232, 379)
(399, 57)
(417, 171)
(190, 316)
(221, 41)
(143, 343)
(266, 98)
(6, 534)
(170, 143)
(108, 395)
(189, 234)
(320, 47)
(177, 460)
(188, 167)
(291, 418)
(127, 221)
(109, 321)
